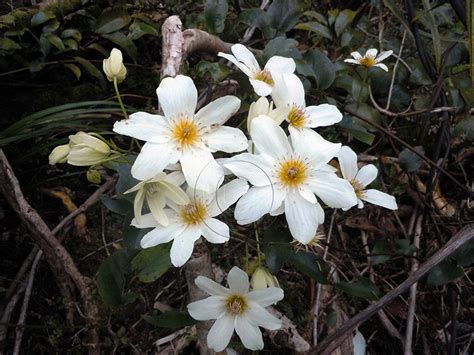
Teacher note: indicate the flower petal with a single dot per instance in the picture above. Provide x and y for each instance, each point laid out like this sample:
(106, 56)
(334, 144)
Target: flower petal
(334, 191)
(356, 55)
(259, 316)
(201, 170)
(269, 137)
(352, 61)
(177, 96)
(249, 334)
(209, 308)
(288, 91)
(156, 203)
(220, 333)
(308, 143)
(302, 217)
(257, 202)
(226, 139)
(348, 163)
(215, 231)
(161, 235)
(152, 159)
(245, 56)
(379, 198)
(266, 297)
(372, 52)
(322, 115)
(144, 126)
(383, 55)
(218, 111)
(211, 287)
(226, 196)
(247, 71)
(238, 281)
(381, 66)
(261, 88)
(183, 245)
(281, 65)
(251, 167)
(366, 174)
(138, 204)
(146, 221)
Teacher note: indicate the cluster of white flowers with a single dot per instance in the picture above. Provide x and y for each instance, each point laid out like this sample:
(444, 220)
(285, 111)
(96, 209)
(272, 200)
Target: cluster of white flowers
(184, 187)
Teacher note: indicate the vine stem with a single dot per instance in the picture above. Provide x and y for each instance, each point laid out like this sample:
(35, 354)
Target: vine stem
(259, 255)
(119, 98)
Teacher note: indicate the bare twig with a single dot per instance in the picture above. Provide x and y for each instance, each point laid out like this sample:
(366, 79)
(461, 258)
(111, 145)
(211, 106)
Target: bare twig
(395, 70)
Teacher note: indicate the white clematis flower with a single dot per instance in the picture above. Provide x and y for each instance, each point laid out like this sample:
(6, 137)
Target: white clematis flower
(181, 135)
(359, 179)
(189, 222)
(264, 107)
(262, 80)
(370, 59)
(235, 308)
(113, 66)
(156, 192)
(286, 178)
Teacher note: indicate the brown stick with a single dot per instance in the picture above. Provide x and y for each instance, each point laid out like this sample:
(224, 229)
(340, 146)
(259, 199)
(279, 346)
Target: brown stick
(333, 340)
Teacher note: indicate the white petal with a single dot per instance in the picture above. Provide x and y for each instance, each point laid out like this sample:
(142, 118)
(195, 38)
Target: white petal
(266, 297)
(152, 159)
(251, 167)
(306, 142)
(209, 308)
(177, 96)
(156, 203)
(183, 245)
(226, 139)
(238, 281)
(371, 52)
(259, 316)
(322, 115)
(366, 174)
(201, 170)
(226, 196)
(257, 202)
(220, 333)
(281, 65)
(211, 287)
(248, 333)
(307, 194)
(347, 162)
(302, 217)
(218, 111)
(245, 56)
(261, 88)
(288, 91)
(174, 193)
(215, 231)
(352, 61)
(269, 137)
(379, 198)
(161, 235)
(247, 71)
(381, 66)
(138, 204)
(356, 55)
(334, 191)
(383, 55)
(144, 126)
(146, 221)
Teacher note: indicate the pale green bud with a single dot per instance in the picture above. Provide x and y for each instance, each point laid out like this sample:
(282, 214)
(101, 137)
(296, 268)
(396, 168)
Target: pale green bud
(94, 176)
(262, 279)
(59, 154)
(113, 66)
(87, 150)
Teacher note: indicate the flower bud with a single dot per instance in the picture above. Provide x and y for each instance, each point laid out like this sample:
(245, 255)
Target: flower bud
(94, 176)
(262, 279)
(86, 150)
(59, 154)
(113, 66)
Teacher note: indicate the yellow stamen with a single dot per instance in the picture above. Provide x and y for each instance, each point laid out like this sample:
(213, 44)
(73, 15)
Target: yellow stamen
(185, 131)
(358, 187)
(292, 172)
(265, 76)
(296, 116)
(194, 213)
(367, 61)
(236, 304)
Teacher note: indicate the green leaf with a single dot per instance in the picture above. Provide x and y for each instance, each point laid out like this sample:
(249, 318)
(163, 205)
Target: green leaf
(343, 20)
(368, 112)
(311, 265)
(111, 279)
(139, 29)
(394, 8)
(119, 205)
(380, 247)
(55, 41)
(70, 43)
(218, 71)
(171, 319)
(316, 27)
(409, 161)
(434, 32)
(92, 70)
(7, 44)
(317, 65)
(465, 255)
(444, 273)
(464, 129)
(360, 90)
(277, 248)
(361, 288)
(215, 14)
(285, 47)
(72, 33)
(283, 15)
(126, 43)
(131, 235)
(151, 263)
(359, 132)
(74, 69)
(41, 17)
(112, 20)
(105, 53)
(51, 26)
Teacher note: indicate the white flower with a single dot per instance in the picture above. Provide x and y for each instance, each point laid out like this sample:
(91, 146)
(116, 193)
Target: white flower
(189, 222)
(235, 308)
(263, 107)
(370, 59)
(184, 136)
(359, 179)
(113, 66)
(262, 80)
(59, 154)
(286, 178)
(156, 191)
(86, 150)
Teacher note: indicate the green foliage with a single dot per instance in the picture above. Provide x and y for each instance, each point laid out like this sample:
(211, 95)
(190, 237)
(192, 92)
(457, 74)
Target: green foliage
(444, 273)
(170, 319)
(215, 14)
(149, 264)
(409, 161)
(362, 288)
(316, 64)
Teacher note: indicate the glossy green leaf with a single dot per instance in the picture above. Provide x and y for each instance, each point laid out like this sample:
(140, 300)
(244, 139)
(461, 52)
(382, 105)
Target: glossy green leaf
(360, 90)
(215, 14)
(170, 319)
(285, 47)
(55, 41)
(283, 15)
(150, 264)
(317, 65)
(41, 17)
(316, 27)
(74, 69)
(139, 29)
(359, 132)
(311, 265)
(343, 20)
(366, 111)
(112, 20)
(72, 33)
(111, 278)
(119, 205)
(92, 70)
(123, 41)
(409, 161)
(361, 288)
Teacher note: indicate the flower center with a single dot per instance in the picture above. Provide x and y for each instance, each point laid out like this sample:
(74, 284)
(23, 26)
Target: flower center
(194, 213)
(292, 172)
(367, 61)
(185, 131)
(236, 305)
(296, 116)
(265, 76)
(358, 187)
